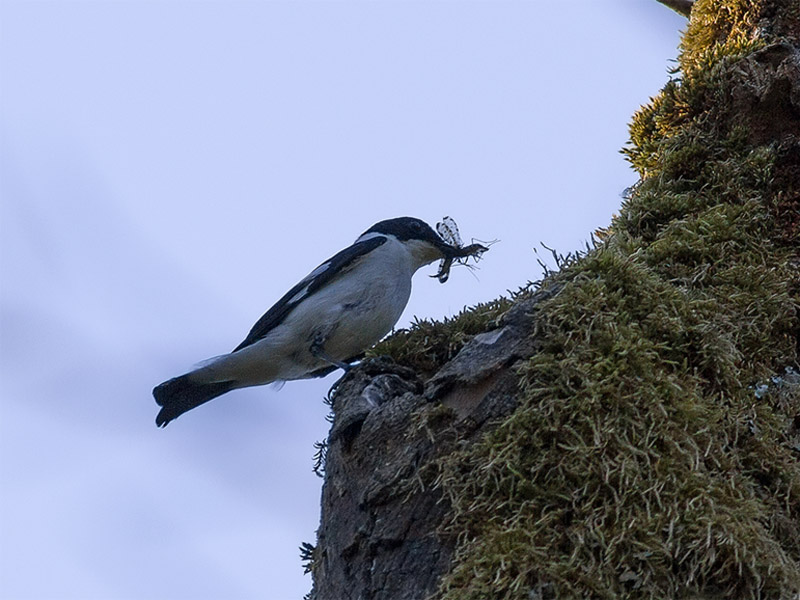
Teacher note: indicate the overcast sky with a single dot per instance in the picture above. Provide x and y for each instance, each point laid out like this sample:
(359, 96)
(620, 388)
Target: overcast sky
(169, 169)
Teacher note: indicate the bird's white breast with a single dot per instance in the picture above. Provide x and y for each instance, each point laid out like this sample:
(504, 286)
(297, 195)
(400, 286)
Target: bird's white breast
(358, 308)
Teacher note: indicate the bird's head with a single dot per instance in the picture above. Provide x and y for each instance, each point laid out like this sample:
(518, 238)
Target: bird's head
(421, 240)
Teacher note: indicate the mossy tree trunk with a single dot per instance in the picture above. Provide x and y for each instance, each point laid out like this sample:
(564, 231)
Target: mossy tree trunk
(629, 428)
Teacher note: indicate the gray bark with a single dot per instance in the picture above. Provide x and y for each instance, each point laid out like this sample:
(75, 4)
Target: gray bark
(379, 538)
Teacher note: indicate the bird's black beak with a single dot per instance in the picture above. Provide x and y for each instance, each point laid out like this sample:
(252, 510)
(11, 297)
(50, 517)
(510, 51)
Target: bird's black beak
(447, 250)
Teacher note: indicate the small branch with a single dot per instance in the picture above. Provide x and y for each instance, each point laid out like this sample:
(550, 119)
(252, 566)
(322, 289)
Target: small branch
(683, 7)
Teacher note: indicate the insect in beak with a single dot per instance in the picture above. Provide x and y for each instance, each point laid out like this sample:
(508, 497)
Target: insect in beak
(453, 249)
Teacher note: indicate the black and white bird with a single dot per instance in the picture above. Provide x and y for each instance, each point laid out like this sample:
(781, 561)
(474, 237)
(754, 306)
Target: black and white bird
(326, 321)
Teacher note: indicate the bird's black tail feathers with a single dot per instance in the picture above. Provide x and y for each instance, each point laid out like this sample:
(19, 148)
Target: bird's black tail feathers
(180, 394)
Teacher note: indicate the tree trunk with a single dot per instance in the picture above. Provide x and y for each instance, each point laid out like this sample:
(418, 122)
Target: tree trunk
(630, 427)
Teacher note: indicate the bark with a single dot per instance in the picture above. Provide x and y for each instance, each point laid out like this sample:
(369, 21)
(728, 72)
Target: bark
(381, 535)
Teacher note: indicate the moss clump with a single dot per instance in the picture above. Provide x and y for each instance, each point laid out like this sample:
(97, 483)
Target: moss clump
(427, 344)
(640, 463)
(719, 29)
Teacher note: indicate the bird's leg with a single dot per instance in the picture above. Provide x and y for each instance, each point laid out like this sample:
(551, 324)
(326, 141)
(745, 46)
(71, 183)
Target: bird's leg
(334, 388)
(318, 351)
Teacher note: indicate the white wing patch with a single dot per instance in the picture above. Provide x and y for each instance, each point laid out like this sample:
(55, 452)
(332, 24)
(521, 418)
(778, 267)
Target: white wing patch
(299, 295)
(319, 270)
(310, 279)
(371, 235)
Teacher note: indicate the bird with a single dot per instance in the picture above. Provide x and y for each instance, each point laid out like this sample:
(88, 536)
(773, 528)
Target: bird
(325, 322)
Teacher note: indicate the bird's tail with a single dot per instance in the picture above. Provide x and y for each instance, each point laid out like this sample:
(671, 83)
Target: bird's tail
(180, 394)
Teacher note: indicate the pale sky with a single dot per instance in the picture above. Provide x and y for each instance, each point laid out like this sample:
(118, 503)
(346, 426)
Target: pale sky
(169, 169)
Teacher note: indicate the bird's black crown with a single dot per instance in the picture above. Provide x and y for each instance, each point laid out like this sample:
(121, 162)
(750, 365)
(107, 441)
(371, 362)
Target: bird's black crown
(407, 228)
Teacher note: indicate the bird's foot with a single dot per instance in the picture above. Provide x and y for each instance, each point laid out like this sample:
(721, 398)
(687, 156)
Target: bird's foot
(317, 350)
(332, 392)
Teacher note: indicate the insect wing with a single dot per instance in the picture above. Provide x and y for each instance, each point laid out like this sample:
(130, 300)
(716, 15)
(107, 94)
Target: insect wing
(448, 230)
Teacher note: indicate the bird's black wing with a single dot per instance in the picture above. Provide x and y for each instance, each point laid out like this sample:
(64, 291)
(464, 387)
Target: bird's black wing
(327, 271)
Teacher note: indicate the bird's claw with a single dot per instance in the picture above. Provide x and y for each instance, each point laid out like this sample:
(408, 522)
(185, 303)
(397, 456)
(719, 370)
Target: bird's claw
(331, 392)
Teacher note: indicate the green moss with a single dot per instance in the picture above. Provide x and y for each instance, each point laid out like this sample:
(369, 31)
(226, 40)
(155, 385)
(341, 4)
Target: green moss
(427, 344)
(719, 28)
(721, 32)
(640, 463)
